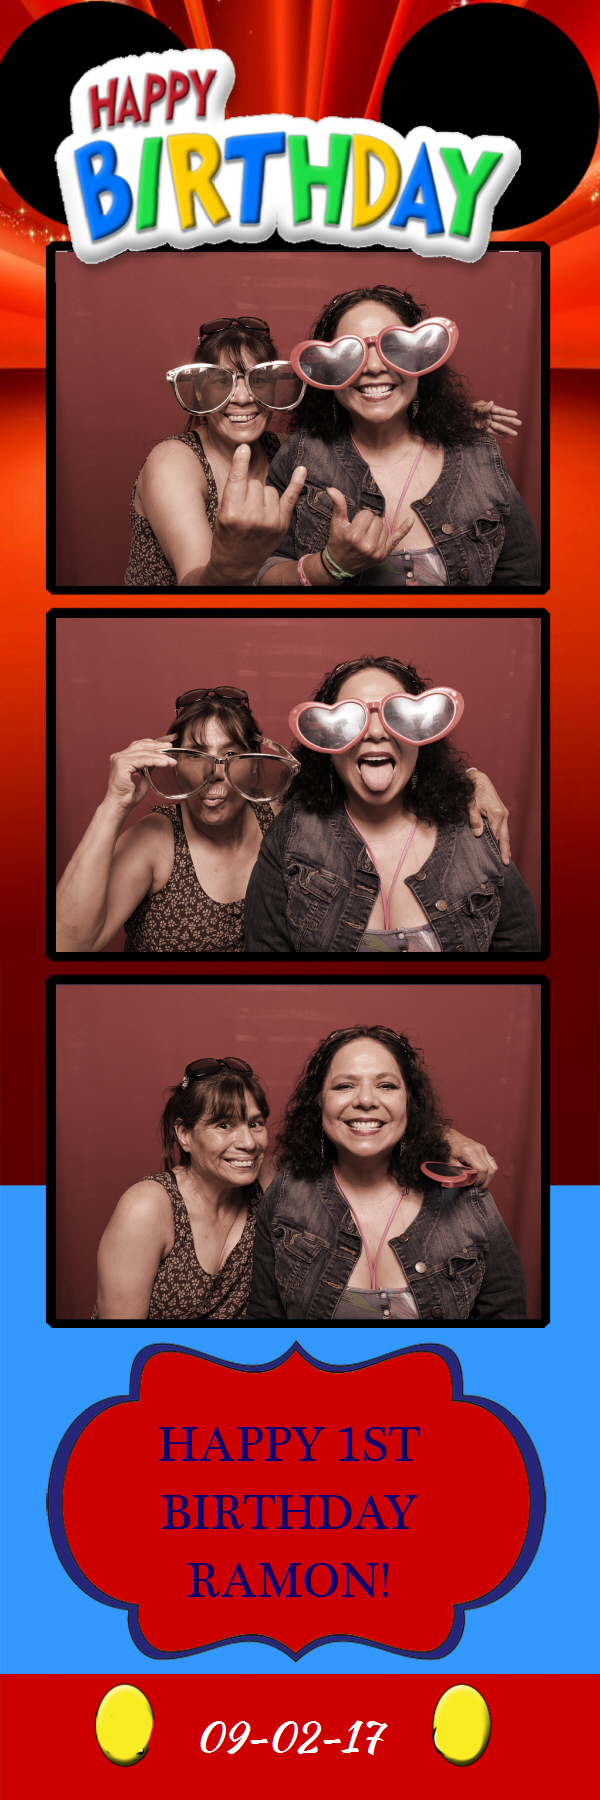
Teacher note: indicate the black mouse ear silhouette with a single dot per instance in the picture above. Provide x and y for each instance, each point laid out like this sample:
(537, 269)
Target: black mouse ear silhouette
(37, 77)
(502, 69)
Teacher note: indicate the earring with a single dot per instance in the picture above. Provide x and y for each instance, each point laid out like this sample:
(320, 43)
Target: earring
(414, 779)
(331, 781)
(335, 410)
(414, 407)
(322, 1149)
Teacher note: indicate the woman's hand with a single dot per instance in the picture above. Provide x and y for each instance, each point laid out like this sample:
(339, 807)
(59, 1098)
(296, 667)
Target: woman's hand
(488, 803)
(497, 421)
(474, 1156)
(150, 753)
(251, 522)
(365, 542)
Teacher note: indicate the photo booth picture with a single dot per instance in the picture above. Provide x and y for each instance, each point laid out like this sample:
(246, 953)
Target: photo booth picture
(298, 1153)
(350, 422)
(291, 803)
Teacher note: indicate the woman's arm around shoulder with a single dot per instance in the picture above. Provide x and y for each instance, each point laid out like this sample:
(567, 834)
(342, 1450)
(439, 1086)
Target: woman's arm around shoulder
(131, 1249)
(503, 1291)
(265, 1299)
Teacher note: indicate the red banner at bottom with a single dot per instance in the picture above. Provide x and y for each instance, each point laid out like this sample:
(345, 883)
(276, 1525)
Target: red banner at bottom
(359, 1731)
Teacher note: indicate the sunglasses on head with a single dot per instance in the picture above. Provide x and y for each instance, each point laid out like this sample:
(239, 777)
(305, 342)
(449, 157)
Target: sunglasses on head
(210, 1065)
(411, 718)
(207, 387)
(247, 321)
(407, 349)
(209, 693)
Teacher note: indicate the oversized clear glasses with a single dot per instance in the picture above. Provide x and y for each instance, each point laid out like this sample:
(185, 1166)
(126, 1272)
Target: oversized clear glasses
(207, 387)
(256, 775)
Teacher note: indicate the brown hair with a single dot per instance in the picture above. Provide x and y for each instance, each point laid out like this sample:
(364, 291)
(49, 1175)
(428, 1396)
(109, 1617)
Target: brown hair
(234, 715)
(224, 1095)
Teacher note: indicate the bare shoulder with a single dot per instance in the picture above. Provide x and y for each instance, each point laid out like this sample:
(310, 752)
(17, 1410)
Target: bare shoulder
(171, 461)
(143, 1208)
(151, 842)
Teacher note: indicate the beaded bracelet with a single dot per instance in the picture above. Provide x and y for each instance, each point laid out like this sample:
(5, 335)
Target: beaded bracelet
(334, 568)
(304, 578)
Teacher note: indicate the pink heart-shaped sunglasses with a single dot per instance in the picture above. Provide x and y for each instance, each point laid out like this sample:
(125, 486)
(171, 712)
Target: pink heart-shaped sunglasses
(408, 349)
(412, 718)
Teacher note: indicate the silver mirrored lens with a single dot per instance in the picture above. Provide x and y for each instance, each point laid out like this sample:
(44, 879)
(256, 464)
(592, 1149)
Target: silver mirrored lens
(259, 777)
(330, 365)
(413, 352)
(202, 390)
(333, 730)
(275, 385)
(191, 773)
(417, 721)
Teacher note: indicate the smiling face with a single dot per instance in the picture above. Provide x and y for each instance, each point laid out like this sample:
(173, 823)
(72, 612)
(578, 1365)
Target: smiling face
(364, 1100)
(218, 803)
(377, 769)
(229, 1150)
(379, 395)
(242, 421)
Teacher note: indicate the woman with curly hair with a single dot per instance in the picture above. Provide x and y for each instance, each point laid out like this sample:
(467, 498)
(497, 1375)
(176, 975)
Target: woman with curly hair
(373, 851)
(401, 488)
(352, 1229)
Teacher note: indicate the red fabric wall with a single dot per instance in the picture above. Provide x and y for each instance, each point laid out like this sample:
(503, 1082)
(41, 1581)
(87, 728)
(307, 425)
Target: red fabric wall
(117, 680)
(123, 323)
(119, 1046)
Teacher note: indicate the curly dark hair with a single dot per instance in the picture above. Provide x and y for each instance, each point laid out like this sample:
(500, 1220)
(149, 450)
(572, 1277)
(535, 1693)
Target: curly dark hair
(299, 1138)
(231, 341)
(443, 792)
(224, 1095)
(445, 410)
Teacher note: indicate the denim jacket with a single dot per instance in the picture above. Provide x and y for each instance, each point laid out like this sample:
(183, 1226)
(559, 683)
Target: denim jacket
(314, 886)
(457, 1256)
(478, 521)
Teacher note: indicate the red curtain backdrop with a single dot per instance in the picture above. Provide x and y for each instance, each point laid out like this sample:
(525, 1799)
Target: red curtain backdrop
(122, 324)
(120, 1046)
(117, 680)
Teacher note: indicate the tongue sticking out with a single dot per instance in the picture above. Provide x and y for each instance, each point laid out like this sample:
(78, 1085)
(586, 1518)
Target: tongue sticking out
(377, 776)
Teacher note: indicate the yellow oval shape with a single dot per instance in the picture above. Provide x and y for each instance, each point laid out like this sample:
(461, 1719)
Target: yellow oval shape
(461, 1726)
(124, 1723)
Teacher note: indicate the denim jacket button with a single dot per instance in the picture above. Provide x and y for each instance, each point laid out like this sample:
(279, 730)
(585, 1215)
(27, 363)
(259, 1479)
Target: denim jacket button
(436, 1312)
(441, 905)
(427, 501)
(421, 875)
(448, 530)
(463, 574)
(421, 1268)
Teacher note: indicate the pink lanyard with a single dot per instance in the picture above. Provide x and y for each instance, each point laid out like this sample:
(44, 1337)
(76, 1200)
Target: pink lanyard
(406, 484)
(372, 1266)
(386, 903)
